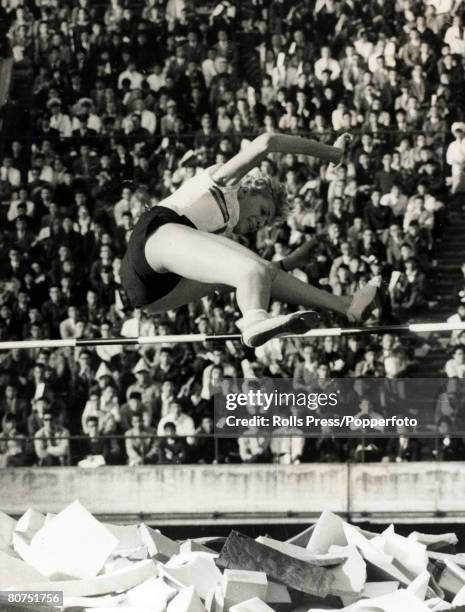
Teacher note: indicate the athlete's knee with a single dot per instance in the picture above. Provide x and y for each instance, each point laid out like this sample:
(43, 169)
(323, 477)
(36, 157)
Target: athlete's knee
(261, 272)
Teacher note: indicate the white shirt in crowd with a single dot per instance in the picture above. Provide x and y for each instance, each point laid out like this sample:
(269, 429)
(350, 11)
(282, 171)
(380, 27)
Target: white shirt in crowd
(124, 205)
(46, 175)
(327, 64)
(397, 203)
(184, 425)
(135, 77)
(250, 445)
(454, 369)
(455, 38)
(209, 70)
(93, 123)
(13, 209)
(156, 81)
(287, 450)
(130, 328)
(455, 156)
(62, 123)
(10, 175)
(148, 121)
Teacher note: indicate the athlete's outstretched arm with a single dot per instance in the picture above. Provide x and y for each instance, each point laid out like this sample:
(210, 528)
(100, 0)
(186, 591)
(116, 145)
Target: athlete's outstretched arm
(237, 167)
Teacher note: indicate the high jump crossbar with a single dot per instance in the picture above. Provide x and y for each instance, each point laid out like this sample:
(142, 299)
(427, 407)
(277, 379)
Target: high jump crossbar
(414, 328)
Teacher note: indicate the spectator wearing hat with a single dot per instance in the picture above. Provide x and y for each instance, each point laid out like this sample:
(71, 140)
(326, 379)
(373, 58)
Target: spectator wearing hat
(104, 376)
(144, 385)
(51, 442)
(141, 443)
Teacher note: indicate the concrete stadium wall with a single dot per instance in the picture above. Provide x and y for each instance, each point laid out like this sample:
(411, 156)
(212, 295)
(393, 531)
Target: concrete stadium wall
(242, 493)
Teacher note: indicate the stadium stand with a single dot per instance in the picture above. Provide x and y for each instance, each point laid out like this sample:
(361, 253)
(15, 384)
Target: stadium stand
(107, 98)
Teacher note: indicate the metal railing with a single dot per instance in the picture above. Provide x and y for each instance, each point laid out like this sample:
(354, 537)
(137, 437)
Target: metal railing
(223, 450)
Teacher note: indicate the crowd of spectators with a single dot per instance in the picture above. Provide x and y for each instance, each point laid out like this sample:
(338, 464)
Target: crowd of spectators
(130, 95)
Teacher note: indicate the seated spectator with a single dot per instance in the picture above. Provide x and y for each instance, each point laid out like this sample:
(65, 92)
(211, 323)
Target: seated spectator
(51, 442)
(253, 447)
(171, 448)
(395, 200)
(34, 421)
(166, 368)
(203, 448)
(451, 403)
(12, 444)
(306, 372)
(133, 405)
(448, 448)
(95, 445)
(13, 404)
(403, 448)
(183, 422)
(287, 443)
(328, 448)
(141, 443)
(455, 366)
(367, 411)
(369, 365)
(409, 293)
(143, 385)
(457, 317)
(455, 157)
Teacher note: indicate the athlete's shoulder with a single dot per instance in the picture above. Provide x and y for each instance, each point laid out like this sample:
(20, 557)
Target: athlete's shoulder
(212, 172)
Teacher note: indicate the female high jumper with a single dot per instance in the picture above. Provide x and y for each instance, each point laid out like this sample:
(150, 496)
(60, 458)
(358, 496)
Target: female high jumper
(179, 251)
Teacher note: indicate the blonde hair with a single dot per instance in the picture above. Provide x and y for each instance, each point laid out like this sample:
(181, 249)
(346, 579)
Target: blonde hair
(257, 183)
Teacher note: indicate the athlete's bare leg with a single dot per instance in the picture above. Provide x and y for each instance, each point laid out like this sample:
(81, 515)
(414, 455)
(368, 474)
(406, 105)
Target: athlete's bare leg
(208, 262)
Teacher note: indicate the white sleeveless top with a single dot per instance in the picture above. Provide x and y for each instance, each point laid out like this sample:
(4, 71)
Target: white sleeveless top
(208, 206)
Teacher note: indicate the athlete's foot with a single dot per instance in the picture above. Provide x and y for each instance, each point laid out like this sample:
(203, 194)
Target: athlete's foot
(364, 301)
(260, 332)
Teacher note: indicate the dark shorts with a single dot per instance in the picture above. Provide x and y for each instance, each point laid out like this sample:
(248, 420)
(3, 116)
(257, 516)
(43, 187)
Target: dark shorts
(142, 285)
